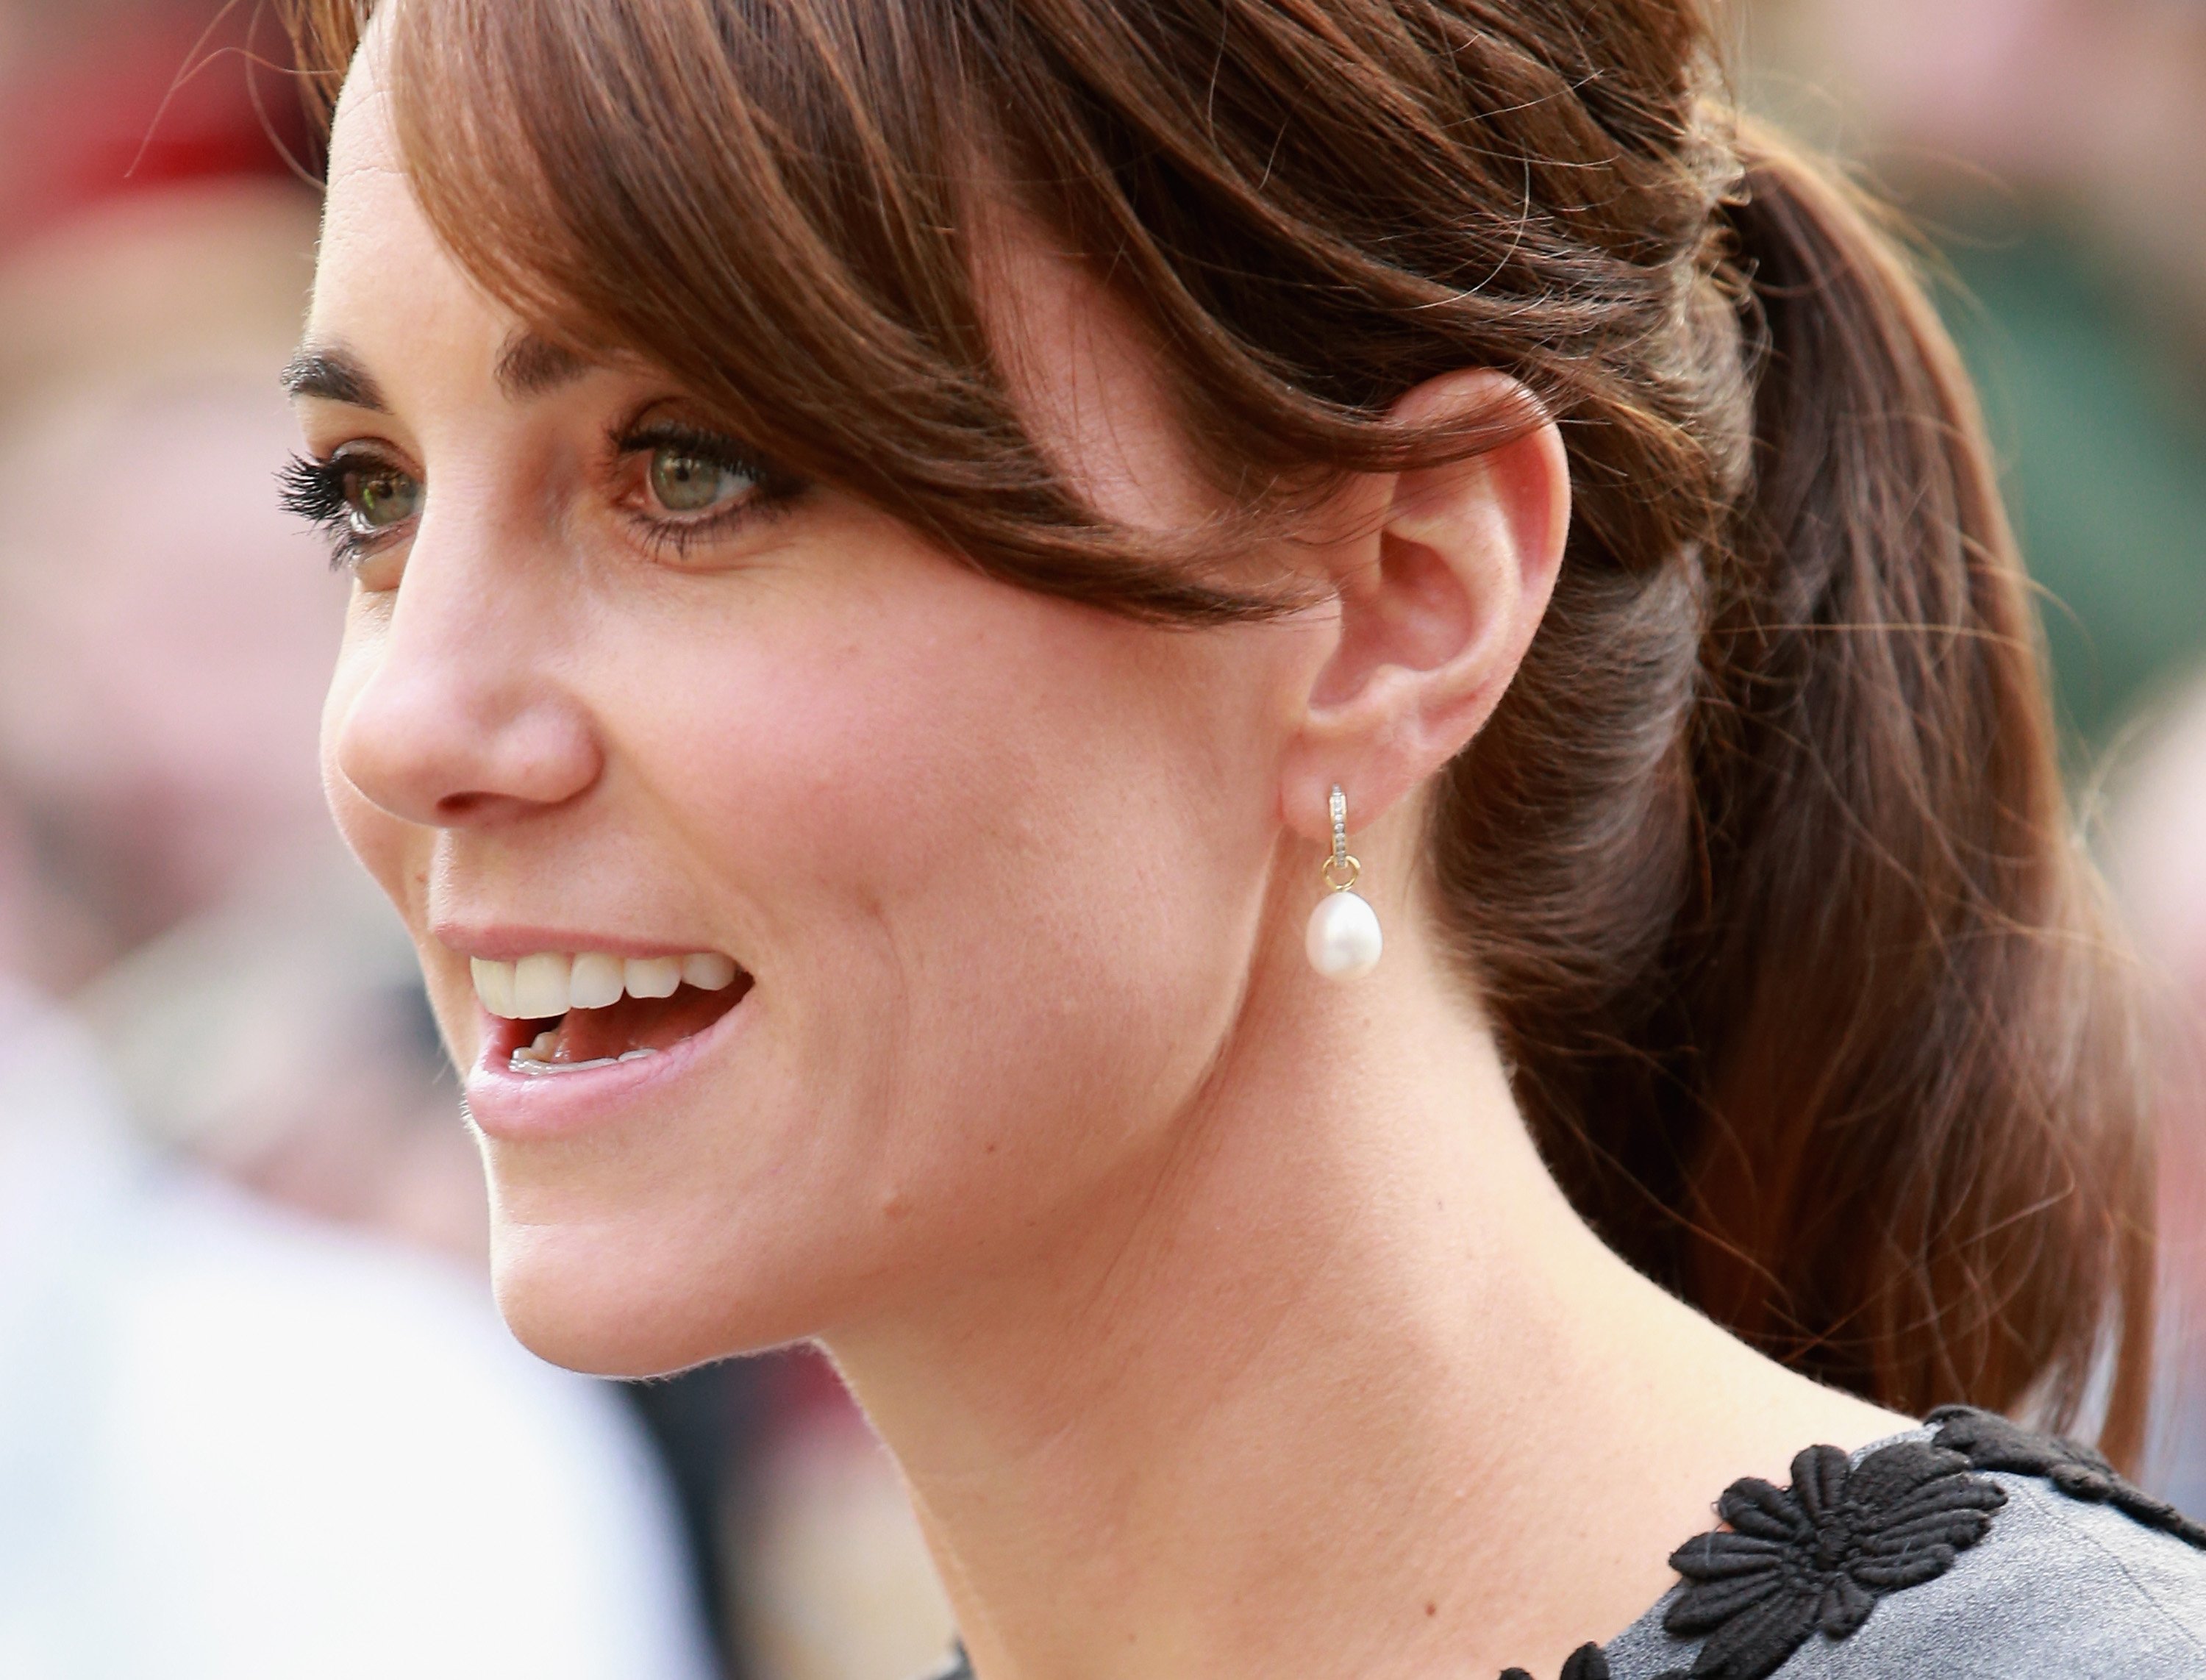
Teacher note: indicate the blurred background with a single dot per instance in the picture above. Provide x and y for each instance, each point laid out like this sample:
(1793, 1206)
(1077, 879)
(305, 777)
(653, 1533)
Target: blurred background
(258, 1416)
(2051, 155)
(250, 1386)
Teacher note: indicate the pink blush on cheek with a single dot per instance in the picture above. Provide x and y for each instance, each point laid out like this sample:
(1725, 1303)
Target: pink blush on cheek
(940, 728)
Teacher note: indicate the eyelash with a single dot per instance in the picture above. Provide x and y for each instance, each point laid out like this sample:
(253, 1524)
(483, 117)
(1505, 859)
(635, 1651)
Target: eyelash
(773, 488)
(315, 490)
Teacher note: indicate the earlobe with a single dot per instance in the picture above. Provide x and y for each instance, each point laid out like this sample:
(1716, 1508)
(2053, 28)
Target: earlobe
(1438, 605)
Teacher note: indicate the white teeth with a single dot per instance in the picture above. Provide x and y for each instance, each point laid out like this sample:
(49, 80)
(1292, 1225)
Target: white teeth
(528, 1062)
(597, 981)
(529, 1065)
(548, 984)
(709, 971)
(654, 976)
(539, 986)
(494, 986)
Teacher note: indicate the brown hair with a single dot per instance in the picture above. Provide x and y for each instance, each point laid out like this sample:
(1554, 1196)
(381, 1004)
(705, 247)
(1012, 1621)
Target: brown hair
(1762, 863)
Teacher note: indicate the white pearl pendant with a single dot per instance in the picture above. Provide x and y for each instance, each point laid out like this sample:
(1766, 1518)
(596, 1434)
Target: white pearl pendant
(1342, 941)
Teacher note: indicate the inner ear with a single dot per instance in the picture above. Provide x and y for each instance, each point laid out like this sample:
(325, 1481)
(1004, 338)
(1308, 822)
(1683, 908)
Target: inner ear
(1411, 607)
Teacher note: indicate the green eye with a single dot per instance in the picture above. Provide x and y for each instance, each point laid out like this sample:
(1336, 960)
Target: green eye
(380, 497)
(685, 482)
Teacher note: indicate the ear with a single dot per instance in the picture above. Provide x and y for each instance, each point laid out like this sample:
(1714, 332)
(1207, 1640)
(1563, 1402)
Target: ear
(1440, 595)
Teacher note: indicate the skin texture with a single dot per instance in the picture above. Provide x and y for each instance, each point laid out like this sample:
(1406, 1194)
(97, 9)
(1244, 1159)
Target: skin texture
(1216, 1315)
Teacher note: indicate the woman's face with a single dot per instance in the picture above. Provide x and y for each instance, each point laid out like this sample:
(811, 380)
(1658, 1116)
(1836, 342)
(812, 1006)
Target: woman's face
(989, 871)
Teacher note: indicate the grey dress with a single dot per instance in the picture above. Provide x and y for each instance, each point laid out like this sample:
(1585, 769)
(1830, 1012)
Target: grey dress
(1968, 1549)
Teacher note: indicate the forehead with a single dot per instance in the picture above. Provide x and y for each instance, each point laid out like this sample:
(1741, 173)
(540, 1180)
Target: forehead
(1077, 367)
(384, 283)
(365, 171)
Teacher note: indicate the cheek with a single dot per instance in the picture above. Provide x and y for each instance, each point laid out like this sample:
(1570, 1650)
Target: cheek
(1003, 862)
(989, 789)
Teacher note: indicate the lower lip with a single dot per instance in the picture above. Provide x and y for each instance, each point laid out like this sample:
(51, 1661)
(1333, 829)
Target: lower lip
(534, 1108)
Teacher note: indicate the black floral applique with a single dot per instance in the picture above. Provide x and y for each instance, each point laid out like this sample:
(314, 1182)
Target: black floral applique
(1588, 1662)
(1814, 1558)
(1817, 1556)
(1991, 1442)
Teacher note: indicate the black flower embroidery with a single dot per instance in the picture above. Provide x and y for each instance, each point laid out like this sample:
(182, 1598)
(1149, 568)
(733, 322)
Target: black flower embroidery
(1817, 1557)
(1989, 1442)
(1586, 1663)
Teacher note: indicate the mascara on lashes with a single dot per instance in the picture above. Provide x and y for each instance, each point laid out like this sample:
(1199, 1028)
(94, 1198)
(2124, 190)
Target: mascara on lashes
(320, 492)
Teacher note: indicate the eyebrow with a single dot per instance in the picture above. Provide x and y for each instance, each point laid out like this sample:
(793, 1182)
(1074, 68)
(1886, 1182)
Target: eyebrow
(530, 366)
(527, 366)
(335, 375)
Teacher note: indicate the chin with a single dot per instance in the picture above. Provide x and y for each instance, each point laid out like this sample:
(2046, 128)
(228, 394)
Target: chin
(586, 1300)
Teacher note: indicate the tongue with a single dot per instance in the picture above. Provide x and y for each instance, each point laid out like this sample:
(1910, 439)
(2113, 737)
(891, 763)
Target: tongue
(641, 1023)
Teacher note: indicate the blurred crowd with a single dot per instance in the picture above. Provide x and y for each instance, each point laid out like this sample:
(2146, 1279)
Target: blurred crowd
(256, 1415)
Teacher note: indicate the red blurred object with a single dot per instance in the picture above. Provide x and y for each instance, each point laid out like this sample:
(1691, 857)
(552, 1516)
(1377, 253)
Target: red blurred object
(184, 92)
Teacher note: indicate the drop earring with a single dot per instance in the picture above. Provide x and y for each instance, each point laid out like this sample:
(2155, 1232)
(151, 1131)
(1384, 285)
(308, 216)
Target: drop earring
(1342, 942)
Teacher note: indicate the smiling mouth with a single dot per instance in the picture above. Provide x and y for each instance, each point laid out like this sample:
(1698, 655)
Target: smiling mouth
(566, 1014)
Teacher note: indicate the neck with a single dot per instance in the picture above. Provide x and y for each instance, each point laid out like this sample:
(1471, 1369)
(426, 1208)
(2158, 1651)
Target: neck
(1344, 1373)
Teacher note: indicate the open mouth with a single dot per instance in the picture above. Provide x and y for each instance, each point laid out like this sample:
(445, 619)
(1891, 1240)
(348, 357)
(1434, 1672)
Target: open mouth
(563, 1014)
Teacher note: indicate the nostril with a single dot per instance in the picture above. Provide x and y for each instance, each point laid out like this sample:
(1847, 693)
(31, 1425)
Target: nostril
(459, 807)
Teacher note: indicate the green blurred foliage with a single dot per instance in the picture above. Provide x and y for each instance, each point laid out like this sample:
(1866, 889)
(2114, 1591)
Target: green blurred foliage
(2101, 426)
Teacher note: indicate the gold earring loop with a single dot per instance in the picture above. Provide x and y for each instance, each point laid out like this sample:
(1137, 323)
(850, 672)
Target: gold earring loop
(1343, 940)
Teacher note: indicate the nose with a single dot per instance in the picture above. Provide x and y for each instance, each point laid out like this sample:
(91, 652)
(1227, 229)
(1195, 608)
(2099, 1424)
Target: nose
(457, 717)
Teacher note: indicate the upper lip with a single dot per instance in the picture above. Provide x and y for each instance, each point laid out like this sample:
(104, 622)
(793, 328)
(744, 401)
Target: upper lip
(506, 942)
